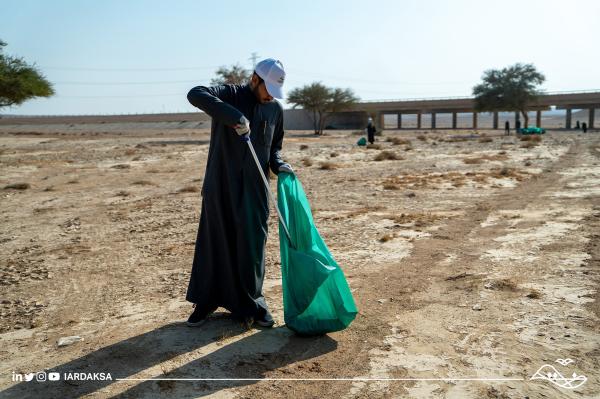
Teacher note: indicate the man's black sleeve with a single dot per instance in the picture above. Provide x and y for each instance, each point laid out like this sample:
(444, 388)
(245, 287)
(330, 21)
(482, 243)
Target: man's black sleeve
(214, 101)
(275, 160)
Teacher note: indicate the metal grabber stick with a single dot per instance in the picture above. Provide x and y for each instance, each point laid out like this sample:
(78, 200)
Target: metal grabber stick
(246, 138)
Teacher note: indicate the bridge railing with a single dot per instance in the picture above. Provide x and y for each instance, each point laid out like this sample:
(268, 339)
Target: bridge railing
(547, 93)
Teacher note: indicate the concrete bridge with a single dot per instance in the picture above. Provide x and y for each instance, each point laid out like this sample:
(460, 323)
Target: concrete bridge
(568, 101)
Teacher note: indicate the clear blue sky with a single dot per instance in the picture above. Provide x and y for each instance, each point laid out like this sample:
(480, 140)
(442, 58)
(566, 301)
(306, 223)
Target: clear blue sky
(143, 56)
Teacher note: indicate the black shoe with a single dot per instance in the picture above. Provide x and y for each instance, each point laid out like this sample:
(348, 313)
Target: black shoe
(198, 317)
(266, 320)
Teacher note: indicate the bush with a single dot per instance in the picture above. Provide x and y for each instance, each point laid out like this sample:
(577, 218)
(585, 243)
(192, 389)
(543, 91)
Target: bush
(328, 166)
(188, 189)
(398, 141)
(17, 186)
(388, 156)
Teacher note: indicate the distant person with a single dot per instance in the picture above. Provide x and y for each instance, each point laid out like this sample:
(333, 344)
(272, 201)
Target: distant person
(518, 126)
(577, 126)
(371, 131)
(507, 128)
(584, 127)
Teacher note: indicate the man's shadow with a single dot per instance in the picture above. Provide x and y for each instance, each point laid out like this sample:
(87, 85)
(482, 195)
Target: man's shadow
(249, 357)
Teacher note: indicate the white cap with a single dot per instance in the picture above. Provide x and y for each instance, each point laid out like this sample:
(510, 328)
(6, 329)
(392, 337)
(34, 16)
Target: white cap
(271, 71)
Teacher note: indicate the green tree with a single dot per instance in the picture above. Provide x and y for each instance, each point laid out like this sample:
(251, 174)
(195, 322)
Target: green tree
(236, 75)
(322, 101)
(509, 89)
(20, 81)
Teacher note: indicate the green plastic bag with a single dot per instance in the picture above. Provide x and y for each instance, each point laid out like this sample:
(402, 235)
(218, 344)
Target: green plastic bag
(316, 296)
(362, 141)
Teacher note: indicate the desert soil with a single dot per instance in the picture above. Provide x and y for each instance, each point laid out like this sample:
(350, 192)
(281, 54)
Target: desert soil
(469, 257)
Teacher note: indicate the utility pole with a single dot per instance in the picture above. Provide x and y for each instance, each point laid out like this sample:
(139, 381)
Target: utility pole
(253, 59)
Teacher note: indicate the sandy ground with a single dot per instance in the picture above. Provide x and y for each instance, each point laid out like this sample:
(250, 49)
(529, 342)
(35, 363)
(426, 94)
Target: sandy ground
(469, 258)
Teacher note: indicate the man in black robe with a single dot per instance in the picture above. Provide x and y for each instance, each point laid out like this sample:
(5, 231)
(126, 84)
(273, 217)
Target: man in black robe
(229, 260)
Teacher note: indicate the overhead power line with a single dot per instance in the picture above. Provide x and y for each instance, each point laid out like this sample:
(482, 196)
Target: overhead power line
(129, 83)
(127, 69)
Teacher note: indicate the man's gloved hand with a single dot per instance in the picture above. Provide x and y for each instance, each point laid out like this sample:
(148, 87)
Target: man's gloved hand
(286, 168)
(243, 127)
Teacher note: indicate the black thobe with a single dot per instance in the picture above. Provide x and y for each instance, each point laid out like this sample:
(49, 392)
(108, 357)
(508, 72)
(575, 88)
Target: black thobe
(229, 258)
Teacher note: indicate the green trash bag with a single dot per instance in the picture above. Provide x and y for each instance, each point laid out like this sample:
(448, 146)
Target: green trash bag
(362, 141)
(316, 296)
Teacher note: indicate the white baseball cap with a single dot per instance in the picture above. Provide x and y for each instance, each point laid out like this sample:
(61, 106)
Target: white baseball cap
(271, 71)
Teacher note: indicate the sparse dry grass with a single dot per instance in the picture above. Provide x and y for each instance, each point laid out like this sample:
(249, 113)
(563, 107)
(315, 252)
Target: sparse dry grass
(130, 151)
(143, 183)
(417, 219)
(534, 138)
(334, 154)
(121, 166)
(307, 162)
(481, 159)
(473, 161)
(388, 156)
(398, 141)
(485, 139)
(534, 294)
(421, 138)
(502, 285)
(374, 146)
(328, 166)
(364, 210)
(304, 147)
(456, 179)
(189, 189)
(390, 186)
(386, 237)
(455, 139)
(17, 186)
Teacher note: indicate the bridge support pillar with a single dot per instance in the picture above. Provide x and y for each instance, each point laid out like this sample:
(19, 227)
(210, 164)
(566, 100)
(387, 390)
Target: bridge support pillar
(568, 121)
(591, 117)
(454, 120)
(399, 120)
(433, 120)
(419, 120)
(538, 118)
(381, 120)
(495, 123)
(474, 120)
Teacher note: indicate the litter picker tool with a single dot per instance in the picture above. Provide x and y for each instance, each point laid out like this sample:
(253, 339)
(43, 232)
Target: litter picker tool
(246, 138)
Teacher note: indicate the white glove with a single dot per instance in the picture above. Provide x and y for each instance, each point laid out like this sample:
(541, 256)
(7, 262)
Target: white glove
(243, 127)
(286, 168)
